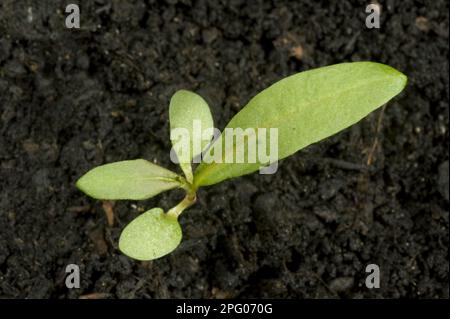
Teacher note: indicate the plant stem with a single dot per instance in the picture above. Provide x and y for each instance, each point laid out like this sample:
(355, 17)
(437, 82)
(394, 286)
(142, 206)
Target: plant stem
(187, 202)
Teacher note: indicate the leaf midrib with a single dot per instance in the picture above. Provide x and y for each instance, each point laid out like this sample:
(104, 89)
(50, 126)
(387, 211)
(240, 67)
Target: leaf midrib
(157, 178)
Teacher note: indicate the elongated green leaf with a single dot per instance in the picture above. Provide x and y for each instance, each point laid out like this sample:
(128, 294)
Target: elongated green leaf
(135, 179)
(307, 107)
(190, 118)
(151, 235)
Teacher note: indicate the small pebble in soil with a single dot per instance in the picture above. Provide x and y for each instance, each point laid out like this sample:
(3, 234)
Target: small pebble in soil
(328, 190)
(443, 180)
(341, 284)
(264, 203)
(209, 35)
(325, 213)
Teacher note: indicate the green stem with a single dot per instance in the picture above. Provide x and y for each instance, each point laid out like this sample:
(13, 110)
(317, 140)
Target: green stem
(187, 202)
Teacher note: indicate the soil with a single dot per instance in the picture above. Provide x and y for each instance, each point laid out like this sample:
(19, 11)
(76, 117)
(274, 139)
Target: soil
(377, 193)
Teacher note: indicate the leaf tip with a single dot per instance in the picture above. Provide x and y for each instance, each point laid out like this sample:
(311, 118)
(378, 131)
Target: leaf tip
(82, 185)
(403, 80)
(399, 79)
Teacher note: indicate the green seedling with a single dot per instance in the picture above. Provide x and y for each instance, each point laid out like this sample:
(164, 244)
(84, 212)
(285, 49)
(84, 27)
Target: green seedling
(304, 108)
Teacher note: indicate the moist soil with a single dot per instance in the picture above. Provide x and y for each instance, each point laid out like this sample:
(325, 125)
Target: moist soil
(72, 99)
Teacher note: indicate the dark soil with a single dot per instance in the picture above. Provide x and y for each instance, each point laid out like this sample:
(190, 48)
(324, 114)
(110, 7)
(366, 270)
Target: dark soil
(73, 99)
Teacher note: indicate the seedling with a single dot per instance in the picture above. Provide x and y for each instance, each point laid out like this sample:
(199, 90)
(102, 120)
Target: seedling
(304, 108)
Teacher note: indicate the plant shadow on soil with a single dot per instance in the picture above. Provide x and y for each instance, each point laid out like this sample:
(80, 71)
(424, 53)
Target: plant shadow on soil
(74, 99)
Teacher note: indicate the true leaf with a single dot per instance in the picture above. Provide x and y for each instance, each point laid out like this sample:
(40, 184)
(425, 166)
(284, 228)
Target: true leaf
(135, 179)
(186, 110)
(308, 107)
(151, 235)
